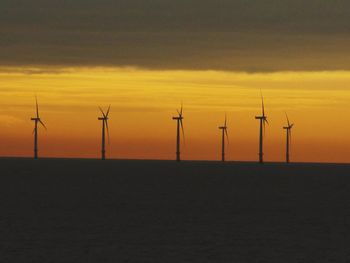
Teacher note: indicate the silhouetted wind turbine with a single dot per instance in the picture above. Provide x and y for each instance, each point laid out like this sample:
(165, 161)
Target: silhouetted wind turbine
(179, 119)
(263, 121)
(35, 131)
(288, 129)
(104, 120)
(224, 134)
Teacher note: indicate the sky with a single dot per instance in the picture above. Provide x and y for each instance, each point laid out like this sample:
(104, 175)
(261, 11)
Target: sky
(145, 58)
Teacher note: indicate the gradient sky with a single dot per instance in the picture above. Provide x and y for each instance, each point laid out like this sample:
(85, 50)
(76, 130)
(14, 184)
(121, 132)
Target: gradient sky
(146, 57)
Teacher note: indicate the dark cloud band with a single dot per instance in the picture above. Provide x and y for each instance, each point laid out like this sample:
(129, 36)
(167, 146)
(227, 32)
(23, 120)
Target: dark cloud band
(244, 35)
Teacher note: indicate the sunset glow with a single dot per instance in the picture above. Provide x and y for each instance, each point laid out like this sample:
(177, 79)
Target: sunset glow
(144, 101)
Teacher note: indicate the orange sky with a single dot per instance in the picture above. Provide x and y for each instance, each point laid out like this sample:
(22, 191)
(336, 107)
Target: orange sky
(144, 101)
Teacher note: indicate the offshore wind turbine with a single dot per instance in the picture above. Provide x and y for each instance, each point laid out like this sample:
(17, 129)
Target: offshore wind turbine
(35, 131)
(224, 135)
(179, 119)
(263, 121)
(288, 129)
(104, 120)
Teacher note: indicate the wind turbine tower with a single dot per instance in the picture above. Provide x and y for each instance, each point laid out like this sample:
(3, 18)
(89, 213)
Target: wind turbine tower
(179, 119)
(263, 121)
(288, 129)
(104, 120)
(224, 135)
(35, 131)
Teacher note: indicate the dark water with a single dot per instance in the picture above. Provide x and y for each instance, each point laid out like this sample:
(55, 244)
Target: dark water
(152, 211)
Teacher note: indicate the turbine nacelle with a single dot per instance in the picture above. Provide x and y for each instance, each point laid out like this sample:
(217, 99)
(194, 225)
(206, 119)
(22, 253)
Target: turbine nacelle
(289, 125)
(263, 117)
(105, 115)
(35, 131)
(288, 129)
(104, 119)
(224, 127)
(37, 118)
(263, 121)
(179, 119)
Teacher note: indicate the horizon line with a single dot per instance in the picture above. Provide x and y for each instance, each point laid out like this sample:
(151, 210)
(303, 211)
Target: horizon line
(174, 161)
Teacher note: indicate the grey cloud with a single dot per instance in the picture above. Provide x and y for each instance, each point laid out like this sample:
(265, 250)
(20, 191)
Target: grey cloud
(245, 35)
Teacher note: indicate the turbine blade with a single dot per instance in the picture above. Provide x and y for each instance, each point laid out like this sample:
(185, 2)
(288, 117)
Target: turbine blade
(264, 124)
(182, 129)
(181, 109)
(290, 139)
(109, 107)
(42, 124)
(263, 107)
(287, 119)
(33, 131)
(264, 127)
(225, 120)
(107, 130)
(102, 112)
(262, 103)
(37, 107)
(228, 141)
(290, 135)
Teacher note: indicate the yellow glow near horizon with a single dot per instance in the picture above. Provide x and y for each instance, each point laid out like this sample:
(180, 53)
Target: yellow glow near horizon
(143, 102)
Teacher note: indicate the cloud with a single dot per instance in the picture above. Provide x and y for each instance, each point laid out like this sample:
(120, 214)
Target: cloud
(241, 35)
(9, 120)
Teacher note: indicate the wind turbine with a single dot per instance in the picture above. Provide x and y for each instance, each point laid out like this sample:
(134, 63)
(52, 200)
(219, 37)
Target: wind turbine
(179, 119)
(224, 134)
(104, 120)
(263, 121)
(35, 131)
(288, 129)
